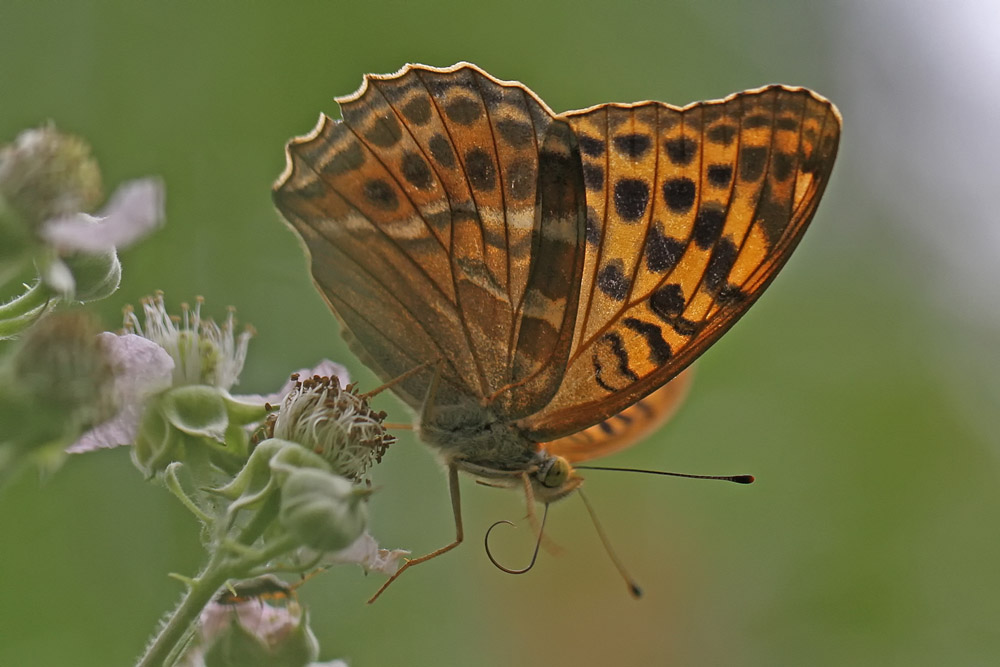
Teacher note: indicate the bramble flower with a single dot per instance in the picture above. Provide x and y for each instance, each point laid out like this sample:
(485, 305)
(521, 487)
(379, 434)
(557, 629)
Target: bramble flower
(334, 421)
(47, 182)
(173, 380)
(203, 352)
(141, 369)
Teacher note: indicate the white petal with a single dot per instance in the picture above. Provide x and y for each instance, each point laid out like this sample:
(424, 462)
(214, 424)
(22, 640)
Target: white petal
(365, 552)
(119, 430)
(141, 366)
(325, 368)
(135, 210)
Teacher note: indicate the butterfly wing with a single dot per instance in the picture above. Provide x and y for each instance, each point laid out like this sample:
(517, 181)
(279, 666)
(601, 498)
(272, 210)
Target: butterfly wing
(423, 214)
(691, 213)
(627, 427)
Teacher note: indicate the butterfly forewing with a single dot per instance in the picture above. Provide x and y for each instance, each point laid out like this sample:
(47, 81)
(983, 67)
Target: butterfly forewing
(691, 212)
(425, 222)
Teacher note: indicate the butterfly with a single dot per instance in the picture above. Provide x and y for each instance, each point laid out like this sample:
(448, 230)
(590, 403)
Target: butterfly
(538, 282)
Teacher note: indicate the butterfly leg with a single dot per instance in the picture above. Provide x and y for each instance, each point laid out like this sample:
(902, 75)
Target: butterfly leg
(396, 380)
(456, 506)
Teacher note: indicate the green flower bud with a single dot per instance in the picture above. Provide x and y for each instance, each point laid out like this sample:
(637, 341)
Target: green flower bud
(45, 174)
(95, 276)
(61, 362)
(325, 511)
(256, 623)
(54, 386)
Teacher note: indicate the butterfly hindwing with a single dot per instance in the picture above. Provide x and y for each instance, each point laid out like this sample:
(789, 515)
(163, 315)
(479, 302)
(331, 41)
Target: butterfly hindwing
(625, 428)
(691, 213)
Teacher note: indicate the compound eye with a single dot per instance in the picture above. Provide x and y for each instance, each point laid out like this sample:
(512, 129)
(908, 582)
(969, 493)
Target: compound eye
(557, 473)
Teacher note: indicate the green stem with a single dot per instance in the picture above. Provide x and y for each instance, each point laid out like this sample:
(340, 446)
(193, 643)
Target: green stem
(198, 595)
(218, 571)
(20, 313)
(35, 297)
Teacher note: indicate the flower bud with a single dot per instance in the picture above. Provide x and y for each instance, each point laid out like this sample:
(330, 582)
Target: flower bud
(325, 511)
(45, 174)
(55, 385)
(95, 276)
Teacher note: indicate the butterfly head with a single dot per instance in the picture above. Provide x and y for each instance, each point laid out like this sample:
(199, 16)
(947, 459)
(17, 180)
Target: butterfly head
(555, 478)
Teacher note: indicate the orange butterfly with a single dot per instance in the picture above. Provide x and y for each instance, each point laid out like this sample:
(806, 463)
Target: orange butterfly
(549, 274)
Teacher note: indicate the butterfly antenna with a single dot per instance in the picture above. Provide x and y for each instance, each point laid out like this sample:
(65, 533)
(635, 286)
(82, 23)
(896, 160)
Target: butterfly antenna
(534, 556)
(739, 479)
(633, 588)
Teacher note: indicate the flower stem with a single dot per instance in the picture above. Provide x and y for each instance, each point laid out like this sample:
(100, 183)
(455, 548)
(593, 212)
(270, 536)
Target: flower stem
(221, 567)
(20, 313)
(203, 587)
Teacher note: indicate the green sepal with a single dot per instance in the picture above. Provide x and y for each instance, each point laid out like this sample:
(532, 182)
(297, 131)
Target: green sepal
(323, 510)
(197, 410)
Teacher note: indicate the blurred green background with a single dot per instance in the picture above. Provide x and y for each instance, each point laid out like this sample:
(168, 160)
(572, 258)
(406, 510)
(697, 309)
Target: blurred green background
(862, 391)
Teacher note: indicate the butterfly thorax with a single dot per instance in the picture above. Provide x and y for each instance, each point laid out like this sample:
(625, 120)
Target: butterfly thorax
(482, 444)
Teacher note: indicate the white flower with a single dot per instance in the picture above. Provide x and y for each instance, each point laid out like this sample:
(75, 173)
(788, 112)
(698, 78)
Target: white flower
(203, 352)
(141, 368)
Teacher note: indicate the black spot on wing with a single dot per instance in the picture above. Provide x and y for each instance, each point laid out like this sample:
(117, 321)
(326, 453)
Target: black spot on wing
(753, 159)
(348, 159)
(781, 165)
(480, 169)
(708, 225)
(385, 132)
(521, 179)
(659, 349)
(720, 264)
(679, 194)
(515, 132)
(593, 231)
(441, 151)
(667, 301)
(612, 281)
(417, 110)
(632, 145)
(721, 134)
(631, 197)
(720, 175)
(662, 252)
(681, 150)
(590, 146)
(593, 177)
(464, 110)
(416, 171)
(381, 194)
